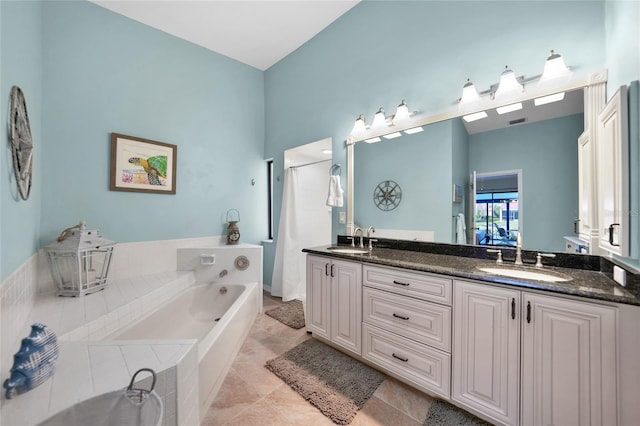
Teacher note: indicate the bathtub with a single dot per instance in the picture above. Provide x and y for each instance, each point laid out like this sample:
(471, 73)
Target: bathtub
(219, 316)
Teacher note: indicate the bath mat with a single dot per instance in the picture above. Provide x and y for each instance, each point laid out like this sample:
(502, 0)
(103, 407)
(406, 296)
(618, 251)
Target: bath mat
(333, 382)
(290, 313)
(442, 413)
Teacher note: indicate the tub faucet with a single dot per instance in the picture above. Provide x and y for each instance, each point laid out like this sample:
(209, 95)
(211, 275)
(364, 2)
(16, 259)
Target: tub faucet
(518, 249)
(355, 234)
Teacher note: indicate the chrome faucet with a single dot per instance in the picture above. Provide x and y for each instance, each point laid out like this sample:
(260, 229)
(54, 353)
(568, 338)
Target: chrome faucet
(355, 234)
(518, 249)
(370, 230)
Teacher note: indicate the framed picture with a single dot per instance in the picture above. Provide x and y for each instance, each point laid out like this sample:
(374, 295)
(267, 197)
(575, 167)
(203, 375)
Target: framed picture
(457, 193)
(142, 165)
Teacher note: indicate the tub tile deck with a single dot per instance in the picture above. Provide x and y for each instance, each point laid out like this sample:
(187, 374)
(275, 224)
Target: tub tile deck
(251, 394)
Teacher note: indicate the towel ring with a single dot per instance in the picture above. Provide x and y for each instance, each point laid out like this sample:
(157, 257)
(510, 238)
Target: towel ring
(333, 168)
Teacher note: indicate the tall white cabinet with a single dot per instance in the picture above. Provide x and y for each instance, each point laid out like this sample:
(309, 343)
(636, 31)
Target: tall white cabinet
(563, 351)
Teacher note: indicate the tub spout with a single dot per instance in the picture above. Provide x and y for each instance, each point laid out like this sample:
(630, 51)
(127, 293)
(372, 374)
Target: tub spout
(223, 273)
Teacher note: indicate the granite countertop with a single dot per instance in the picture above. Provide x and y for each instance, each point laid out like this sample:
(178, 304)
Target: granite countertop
(585, 283)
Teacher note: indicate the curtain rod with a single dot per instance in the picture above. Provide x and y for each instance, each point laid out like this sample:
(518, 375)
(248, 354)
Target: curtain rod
(309, 164)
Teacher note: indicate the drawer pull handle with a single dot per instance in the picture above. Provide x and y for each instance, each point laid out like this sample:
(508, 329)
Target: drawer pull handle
(401, 283)
(401, 317)
(399, 357)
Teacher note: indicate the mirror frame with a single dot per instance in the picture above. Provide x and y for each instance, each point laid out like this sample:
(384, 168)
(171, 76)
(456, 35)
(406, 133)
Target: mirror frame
(594, 86)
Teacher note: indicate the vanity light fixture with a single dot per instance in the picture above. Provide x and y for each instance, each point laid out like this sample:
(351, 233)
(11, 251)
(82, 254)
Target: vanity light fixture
(392, 135)
(379, 120)
(413, 130)
(508, 85)
(554, 67)
(556, 97)
(475, 116)
(402, 114)
(373, 140)
(359, 126)
(509, 108)
(469, 94)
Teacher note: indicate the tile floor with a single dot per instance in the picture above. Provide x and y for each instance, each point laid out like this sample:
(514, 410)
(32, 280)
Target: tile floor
(252, 395)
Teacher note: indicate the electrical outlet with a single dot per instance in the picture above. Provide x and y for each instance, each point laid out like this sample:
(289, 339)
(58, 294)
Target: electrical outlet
(620, 276)
(343, 217)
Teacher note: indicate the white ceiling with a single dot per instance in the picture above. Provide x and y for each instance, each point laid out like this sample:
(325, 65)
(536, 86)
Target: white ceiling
(258, 33)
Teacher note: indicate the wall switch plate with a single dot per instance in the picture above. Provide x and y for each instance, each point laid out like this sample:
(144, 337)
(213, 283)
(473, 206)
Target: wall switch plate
(620, 276)
(342, 217)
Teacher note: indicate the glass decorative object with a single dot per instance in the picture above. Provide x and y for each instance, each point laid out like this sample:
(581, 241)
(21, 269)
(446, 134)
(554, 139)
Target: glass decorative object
(33, 363)
(79, 261)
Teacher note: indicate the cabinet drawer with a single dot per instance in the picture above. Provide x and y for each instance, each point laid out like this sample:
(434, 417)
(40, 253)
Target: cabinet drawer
(426, 368)
(425, 322)
(414, 284)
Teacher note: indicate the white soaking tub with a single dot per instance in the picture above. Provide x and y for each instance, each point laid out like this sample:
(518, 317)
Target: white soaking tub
(219, 316)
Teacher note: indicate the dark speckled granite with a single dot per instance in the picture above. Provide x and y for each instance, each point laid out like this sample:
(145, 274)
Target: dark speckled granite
(592, 281)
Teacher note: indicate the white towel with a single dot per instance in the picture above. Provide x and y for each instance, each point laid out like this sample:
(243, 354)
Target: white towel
(334, 198)
(461, 229)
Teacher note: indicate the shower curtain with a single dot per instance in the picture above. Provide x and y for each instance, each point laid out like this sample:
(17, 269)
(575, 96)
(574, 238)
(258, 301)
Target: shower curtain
(287, 270)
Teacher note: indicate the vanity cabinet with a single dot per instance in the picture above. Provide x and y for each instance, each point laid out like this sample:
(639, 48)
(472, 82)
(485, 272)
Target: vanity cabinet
(613, 175)
(555, 358)
(334, 301)
(407, 326)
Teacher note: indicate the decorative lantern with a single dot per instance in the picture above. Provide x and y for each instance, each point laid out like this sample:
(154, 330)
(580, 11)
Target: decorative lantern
(79, 261)
(233, 232)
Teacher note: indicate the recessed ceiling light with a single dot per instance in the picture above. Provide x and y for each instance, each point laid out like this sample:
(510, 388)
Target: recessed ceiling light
(327, 151)
(392, 135)
(475, 116)
(373, 140)
(413, 130)
(509, 108)
(548, 99)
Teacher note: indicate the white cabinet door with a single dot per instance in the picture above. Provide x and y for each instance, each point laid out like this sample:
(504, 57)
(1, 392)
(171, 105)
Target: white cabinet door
(486, 355)
(568, 362)
(346, 305)
(318, 306)
(613, 175)
(587, 216)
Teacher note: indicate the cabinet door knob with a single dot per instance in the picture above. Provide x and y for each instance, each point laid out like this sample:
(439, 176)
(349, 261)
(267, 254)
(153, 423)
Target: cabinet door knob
(399, 357)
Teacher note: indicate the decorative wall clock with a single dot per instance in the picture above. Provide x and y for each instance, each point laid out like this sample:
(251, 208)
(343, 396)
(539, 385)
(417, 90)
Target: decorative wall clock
(21, 142)
(387, 195)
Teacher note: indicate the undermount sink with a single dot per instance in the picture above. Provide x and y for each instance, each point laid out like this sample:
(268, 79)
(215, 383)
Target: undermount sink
(348, 250)
(525, 275)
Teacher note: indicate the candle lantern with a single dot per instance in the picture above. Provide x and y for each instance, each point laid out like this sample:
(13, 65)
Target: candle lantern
(79, 261)
(233, 232)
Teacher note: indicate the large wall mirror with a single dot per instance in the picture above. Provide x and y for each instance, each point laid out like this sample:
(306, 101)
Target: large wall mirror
(526, 172)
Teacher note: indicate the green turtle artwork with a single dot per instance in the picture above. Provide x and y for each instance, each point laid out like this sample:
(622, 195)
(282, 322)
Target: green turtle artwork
(156, 167)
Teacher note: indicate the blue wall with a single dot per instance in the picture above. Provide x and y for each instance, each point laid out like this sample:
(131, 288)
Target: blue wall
(546, 152)
(21, 65)
(381, 52)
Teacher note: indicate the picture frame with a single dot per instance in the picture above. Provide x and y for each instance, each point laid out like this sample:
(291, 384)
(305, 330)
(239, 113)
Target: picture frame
(142, 165)
(457, 193)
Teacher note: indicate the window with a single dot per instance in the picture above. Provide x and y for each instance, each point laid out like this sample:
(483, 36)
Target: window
(497, 218)
(270, 197)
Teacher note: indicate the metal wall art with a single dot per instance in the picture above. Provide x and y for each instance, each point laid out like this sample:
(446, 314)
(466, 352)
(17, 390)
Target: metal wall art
(21, 142)
(387, 195)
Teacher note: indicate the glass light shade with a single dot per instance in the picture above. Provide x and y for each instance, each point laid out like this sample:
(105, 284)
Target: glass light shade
(379, 120)
(402, 113)
(475, 116)
(554, 67)
(508, 85)
(509, 108)
(469, 94)
(359, 126)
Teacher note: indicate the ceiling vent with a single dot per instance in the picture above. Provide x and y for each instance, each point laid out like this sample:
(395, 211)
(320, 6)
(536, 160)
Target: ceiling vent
(517, 121)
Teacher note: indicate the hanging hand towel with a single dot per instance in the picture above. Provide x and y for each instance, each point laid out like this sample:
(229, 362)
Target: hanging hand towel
(334, 199)
(461, 230)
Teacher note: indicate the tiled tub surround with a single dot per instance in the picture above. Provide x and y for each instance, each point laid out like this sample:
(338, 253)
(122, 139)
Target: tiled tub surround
(588, 280)
(130, 295)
